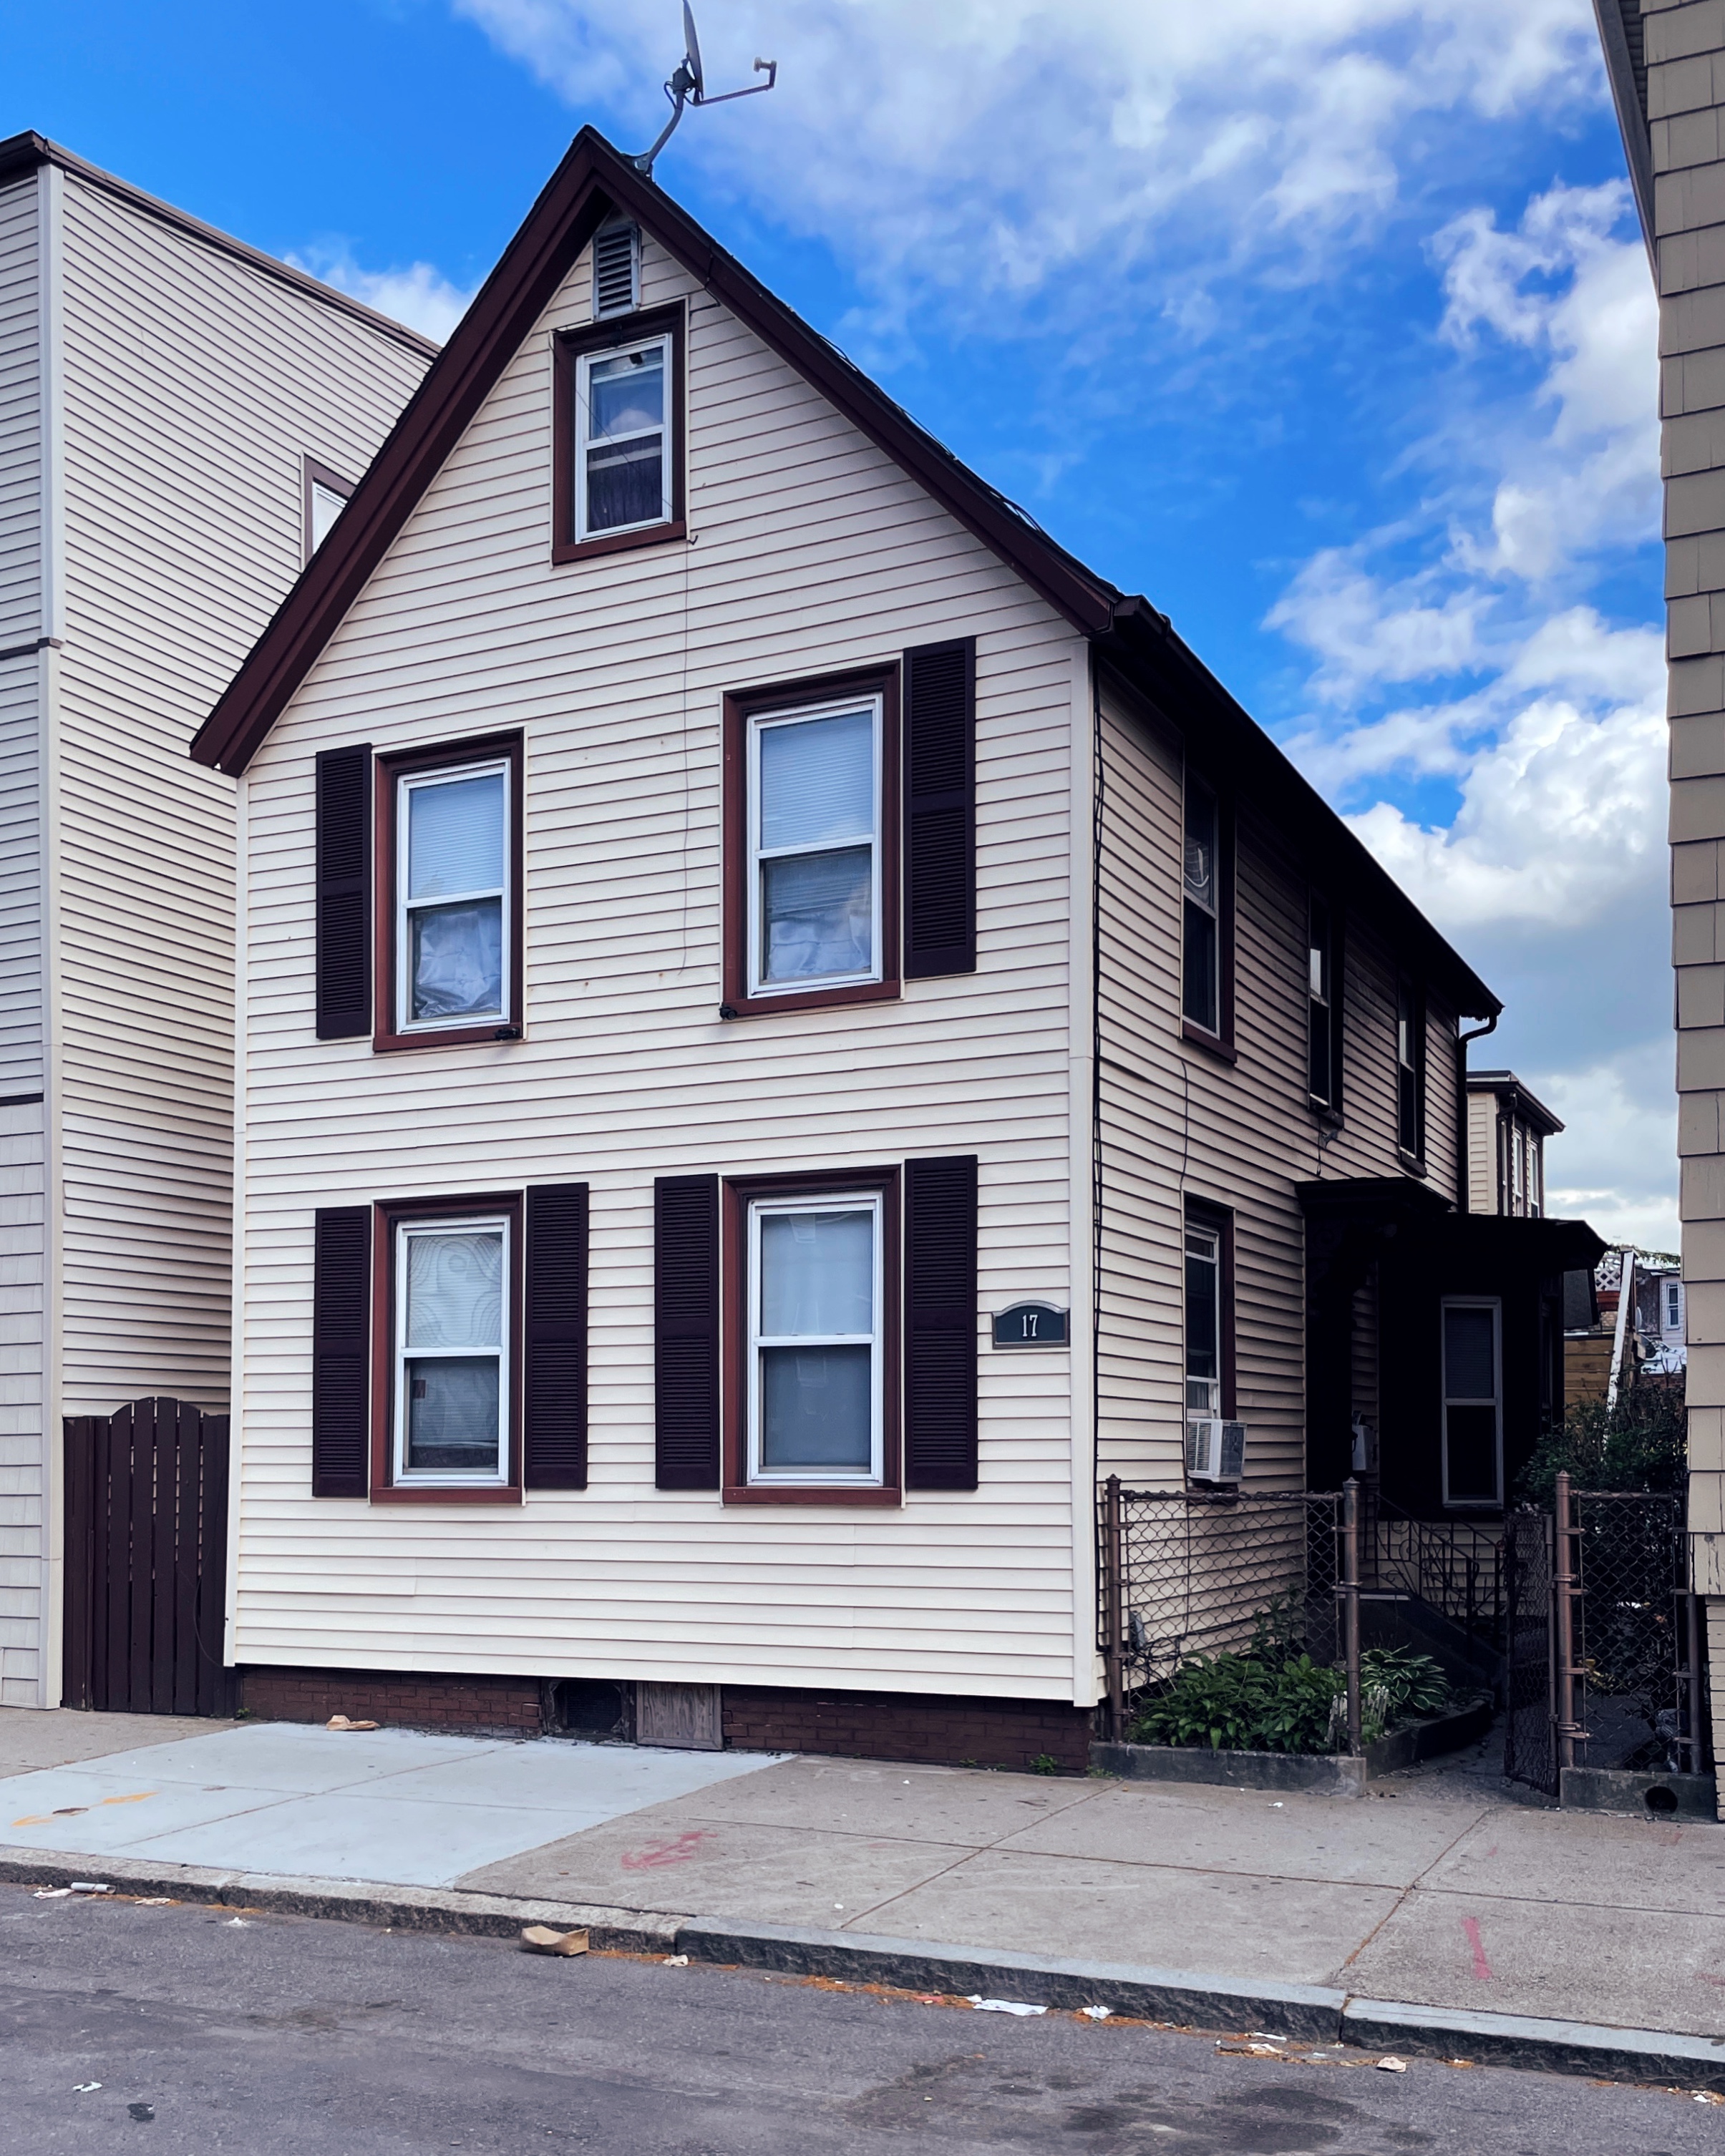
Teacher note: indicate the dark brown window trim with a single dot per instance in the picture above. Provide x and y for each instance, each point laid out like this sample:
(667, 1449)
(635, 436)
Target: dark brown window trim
(313, 473)
(567, 347)
(735, 1192)
(387, 1211)
(1200, 1212)
(444, 756)
(1202, 1037)
(740, 706)
(1227, 856)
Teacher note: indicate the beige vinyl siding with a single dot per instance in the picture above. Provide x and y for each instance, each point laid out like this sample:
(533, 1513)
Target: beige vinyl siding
(1177, 1121)
(20, 415)
(194, 384)
(811, 553)
(21, 693)
(1482, 1152)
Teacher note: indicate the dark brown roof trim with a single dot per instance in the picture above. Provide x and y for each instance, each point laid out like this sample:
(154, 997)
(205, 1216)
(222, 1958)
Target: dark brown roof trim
(592, 182)
(23, 153)
(1160, 666)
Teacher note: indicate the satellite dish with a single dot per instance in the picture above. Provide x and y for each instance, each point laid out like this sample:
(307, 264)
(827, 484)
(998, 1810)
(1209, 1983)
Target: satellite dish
(688, 86)
(692, 51)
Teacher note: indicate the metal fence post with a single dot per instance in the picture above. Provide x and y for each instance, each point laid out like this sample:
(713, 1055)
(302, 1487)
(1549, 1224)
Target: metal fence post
(1351, 1606)
(1563, 1595)
(1112, 1625)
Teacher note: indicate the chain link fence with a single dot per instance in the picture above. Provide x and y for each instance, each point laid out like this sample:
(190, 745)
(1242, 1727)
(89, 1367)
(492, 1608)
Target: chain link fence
(1192, 1572)
(1631, 1649)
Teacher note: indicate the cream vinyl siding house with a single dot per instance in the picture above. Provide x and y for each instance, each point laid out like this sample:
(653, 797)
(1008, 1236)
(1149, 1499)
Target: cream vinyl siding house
(160, 387)
(632, 1097)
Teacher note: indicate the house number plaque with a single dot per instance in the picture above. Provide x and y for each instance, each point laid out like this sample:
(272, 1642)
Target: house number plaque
(1030, 1325)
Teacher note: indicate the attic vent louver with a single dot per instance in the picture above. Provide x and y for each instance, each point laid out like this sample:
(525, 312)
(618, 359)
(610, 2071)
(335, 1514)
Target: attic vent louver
(616, 270)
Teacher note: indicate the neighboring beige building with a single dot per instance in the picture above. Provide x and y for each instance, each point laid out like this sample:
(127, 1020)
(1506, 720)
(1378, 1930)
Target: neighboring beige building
(168, 399)
(787, 1027)
(1507, 1131)
(1667, 69)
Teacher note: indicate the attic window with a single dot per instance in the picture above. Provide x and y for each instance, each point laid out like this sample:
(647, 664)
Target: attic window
(616, 271)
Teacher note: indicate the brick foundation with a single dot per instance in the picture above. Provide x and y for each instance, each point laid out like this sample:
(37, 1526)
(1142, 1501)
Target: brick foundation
(475, 1706)
(931, 1730)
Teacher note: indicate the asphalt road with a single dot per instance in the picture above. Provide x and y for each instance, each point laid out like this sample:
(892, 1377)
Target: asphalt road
(280, 2033)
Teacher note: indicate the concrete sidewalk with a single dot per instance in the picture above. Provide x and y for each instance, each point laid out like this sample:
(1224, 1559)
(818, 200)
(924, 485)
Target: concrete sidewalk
(1445, 1896)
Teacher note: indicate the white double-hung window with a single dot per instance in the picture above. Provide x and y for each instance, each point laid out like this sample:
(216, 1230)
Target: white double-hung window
(815, 847)
(451, 1375)
(815, 1345)
(452, 900)
(622, 439)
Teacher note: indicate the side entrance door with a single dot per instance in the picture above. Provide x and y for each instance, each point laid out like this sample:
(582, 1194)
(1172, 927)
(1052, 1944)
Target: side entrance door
(146, 1542)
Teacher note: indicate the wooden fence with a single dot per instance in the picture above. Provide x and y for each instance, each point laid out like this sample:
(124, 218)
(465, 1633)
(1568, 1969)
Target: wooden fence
(146, 1539)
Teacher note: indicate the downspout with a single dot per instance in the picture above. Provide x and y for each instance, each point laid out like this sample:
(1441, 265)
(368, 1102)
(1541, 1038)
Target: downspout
(1462, 1164)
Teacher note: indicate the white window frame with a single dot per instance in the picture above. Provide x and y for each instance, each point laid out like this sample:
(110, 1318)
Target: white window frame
(760, 723)
(1198, 1230)
(584, 365)
(466, 1478)
(835, 1201)
(1495, 1305)
(406, 783)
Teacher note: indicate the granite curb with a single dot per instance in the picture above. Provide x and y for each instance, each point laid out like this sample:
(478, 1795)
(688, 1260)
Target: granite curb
(1319, 2013)
(444, 1909)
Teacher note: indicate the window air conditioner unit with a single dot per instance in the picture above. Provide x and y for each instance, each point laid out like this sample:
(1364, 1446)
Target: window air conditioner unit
(1215, 1450)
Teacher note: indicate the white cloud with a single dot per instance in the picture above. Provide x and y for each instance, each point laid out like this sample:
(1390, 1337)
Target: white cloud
(1613, 1162)
(1365, 634)
(1565, 286)
(419, 295)
(979, 145)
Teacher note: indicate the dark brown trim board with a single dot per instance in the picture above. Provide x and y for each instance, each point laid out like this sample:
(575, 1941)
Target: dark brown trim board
(385, 1490)
(740, 706)
(734, 1336)
(445, 756)
(570, 346)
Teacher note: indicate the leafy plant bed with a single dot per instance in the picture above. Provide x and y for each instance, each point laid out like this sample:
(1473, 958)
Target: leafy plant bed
(1324, 1774)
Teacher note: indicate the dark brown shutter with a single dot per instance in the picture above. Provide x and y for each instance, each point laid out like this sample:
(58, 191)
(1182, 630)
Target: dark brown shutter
(686, 1332)
(554, 1338)
(940, 1323)
(941, 809)
(341, 1352)
(343, 893)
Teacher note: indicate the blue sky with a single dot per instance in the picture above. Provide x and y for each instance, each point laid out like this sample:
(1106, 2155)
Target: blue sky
(1327, 327)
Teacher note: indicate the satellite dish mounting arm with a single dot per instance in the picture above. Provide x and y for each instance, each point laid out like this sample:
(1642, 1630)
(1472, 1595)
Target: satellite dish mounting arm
(687, 86)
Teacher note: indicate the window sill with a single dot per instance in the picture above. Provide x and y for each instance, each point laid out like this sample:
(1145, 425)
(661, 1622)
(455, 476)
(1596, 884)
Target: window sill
(1322, 1112)
(1202, 1037)
(858, 991)
(1411, 1164)
(816, 1493)
(492, 1035)
(445, 1493)
(620, 542)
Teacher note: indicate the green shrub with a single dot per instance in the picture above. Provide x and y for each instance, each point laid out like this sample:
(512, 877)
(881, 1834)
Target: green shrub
(1239, 1703)
(1641, 1443)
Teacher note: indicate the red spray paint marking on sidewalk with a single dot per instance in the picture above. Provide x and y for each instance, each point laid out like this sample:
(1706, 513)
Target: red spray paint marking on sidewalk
(1482, 1967)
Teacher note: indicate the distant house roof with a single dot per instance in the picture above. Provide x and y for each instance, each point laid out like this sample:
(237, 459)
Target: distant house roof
(25, 152)
(1514, 1099)
(594, 182)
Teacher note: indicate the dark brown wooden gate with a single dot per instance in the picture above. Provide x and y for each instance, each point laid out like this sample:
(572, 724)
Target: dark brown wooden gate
(146, 1547)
